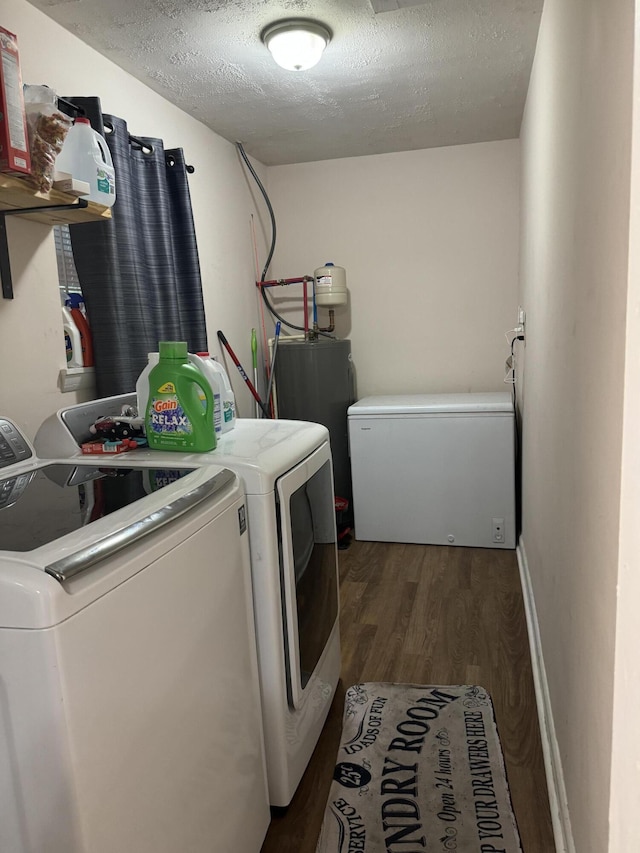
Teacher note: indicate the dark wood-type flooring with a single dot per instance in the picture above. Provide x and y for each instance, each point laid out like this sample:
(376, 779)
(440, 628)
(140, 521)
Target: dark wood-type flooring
(431, 615)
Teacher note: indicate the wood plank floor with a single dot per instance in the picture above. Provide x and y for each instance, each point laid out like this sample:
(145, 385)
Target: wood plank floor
(431, 615)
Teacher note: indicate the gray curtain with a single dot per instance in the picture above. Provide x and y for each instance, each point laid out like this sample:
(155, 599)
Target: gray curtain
(139, 272)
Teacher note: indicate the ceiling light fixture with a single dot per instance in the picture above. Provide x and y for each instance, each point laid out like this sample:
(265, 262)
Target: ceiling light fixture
(296, 44)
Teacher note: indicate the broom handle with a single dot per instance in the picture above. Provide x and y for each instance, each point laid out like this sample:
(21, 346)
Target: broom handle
(234, 359)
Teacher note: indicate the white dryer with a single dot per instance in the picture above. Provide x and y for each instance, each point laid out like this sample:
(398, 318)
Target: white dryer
(287, 474)
(129, 699)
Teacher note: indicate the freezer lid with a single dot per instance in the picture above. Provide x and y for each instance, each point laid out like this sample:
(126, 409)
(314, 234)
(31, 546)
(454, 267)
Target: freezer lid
(484, 402)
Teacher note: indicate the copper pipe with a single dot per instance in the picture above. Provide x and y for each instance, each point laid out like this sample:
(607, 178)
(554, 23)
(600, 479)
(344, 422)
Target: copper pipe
(274, 282)
(332, 324)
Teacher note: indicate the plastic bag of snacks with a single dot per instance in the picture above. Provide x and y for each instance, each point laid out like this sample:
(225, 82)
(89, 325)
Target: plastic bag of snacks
(47, 128)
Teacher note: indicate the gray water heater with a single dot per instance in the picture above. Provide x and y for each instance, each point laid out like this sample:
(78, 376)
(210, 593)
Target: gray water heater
(315, 381)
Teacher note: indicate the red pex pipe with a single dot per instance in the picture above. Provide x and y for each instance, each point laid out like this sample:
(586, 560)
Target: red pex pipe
(303, 280)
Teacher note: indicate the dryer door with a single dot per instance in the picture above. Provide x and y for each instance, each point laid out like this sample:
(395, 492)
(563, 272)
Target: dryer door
(309, 575)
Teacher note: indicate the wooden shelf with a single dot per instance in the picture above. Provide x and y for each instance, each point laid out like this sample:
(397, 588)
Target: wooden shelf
(16, 193)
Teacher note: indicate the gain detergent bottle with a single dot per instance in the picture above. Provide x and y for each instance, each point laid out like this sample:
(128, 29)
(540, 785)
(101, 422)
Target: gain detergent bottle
(175, 418)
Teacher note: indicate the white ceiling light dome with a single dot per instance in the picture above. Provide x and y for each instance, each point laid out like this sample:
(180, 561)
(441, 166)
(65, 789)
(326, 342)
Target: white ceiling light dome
(295, 43)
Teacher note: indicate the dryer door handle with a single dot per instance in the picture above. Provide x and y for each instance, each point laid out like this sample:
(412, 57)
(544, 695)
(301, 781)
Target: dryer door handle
(85, 558)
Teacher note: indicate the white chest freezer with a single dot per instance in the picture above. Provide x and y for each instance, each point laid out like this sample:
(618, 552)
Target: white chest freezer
(434, 469)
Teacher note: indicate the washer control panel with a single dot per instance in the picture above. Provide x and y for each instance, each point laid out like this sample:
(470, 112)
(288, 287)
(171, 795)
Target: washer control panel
(13, 445)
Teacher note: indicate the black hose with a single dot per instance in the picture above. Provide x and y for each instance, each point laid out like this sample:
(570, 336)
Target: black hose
(269, 208)
(272, 216)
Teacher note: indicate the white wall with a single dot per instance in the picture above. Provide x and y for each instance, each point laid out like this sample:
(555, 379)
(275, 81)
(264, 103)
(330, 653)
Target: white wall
(625, 769)
(574, 251)
(429, 240)
(31, 341)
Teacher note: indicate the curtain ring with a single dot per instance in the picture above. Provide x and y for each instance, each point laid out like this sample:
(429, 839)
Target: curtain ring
(171, 161)
(143, 146)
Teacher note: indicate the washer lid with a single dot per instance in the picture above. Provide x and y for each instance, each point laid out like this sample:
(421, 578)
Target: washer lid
(422, 404)
(89, 540)
(40, 506)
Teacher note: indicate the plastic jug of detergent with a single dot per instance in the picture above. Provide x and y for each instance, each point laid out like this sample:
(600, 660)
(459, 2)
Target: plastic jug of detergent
(142, 382)
(75, 304)
(224, 403)
(202, 361)
(217, 376)
(175, 418)
(72, 339)
(86, 156)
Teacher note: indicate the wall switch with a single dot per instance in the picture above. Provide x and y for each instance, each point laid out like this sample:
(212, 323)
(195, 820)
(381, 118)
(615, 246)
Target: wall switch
(497, 528)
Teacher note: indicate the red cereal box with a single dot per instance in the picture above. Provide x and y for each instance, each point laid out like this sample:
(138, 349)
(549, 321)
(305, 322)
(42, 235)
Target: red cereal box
(14, 142)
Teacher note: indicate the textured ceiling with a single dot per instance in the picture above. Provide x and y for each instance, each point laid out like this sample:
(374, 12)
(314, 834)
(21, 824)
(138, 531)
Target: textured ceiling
(397, 75)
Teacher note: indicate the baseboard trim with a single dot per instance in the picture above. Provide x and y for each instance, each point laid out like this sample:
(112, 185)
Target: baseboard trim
(553, 765)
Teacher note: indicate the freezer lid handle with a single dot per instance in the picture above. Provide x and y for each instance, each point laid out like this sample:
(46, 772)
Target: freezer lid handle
(74, 564)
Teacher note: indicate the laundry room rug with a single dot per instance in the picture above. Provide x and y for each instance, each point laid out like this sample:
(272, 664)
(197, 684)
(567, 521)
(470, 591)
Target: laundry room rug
(419, 770)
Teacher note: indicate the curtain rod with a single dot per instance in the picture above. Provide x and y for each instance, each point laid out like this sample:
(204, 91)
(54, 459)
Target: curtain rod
(79, 111)
(144, 146)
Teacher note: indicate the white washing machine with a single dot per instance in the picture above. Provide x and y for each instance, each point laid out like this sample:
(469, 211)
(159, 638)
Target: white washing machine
(287, 474)
(129, 694)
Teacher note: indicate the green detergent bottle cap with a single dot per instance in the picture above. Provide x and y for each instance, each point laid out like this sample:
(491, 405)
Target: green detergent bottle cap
(173, 349)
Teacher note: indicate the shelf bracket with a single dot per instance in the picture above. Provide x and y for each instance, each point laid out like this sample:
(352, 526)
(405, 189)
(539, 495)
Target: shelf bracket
(5, 265)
